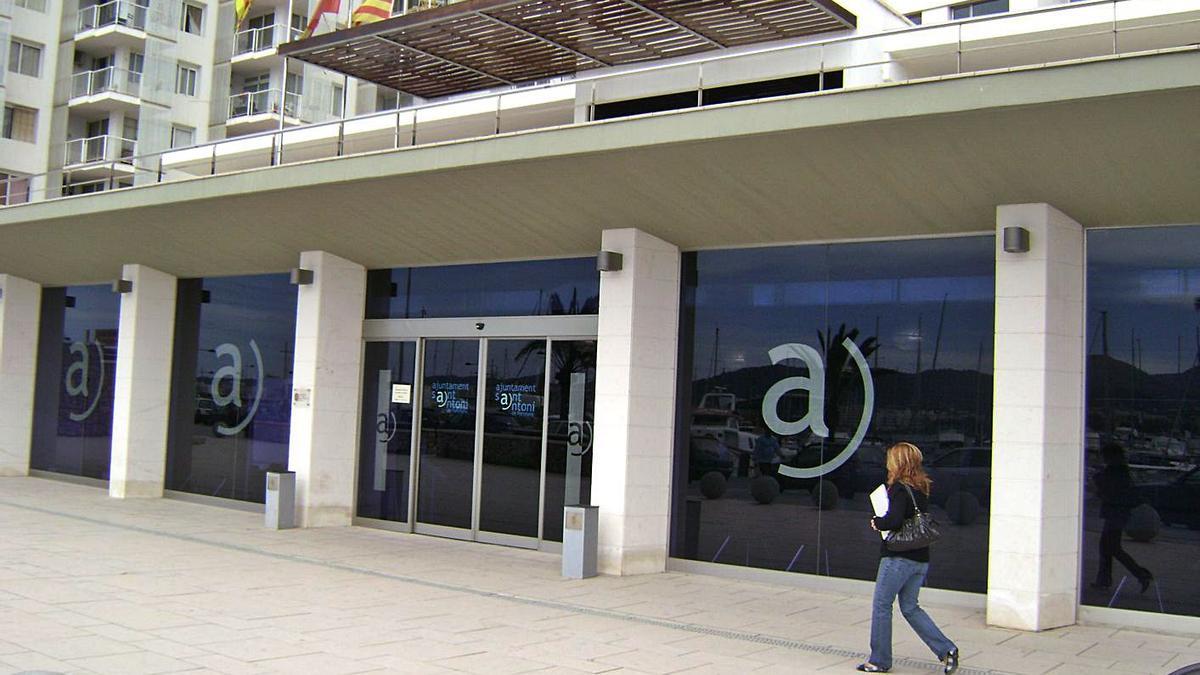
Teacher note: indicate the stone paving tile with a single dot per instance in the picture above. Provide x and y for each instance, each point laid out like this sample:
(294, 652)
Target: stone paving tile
(132, 663)
(79, 647)
(493, 664)
(226, 665)
(257, 649)
(325, 664)
(23, 661)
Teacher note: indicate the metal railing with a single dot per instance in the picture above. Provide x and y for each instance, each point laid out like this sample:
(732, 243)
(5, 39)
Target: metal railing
(894, 57)
(265, 102)
(99, 149)
(114, 12)
(259, 39)
(110, 80)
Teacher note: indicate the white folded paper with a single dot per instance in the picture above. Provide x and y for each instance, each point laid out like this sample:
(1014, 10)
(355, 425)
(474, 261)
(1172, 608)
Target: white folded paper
(879, 502)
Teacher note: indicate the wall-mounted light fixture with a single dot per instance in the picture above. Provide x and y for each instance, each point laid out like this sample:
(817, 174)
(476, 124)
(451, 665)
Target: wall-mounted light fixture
(1016, 239)
(1, 293)
(301, 276)
(122, 286)
(609, 261)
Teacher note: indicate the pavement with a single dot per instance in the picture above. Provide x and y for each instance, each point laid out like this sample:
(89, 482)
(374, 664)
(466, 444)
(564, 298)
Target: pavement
(90, 584)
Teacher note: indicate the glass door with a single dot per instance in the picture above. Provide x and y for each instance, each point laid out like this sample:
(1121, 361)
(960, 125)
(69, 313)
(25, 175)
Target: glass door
(447, 431)
(385, 451)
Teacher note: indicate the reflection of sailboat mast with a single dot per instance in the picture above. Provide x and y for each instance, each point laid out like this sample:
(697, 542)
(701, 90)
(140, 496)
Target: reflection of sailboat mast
(716, 350)
(937, 342)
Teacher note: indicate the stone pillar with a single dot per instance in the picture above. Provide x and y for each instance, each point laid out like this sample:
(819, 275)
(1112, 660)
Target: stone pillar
(142, 384)
(324, 437)
(20, 312)
(1037, 426)
(635, 402)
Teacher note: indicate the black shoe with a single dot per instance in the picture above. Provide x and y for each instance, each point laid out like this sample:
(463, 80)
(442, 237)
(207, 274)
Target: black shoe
(870, 668)
(1145, 581)
(950, 662)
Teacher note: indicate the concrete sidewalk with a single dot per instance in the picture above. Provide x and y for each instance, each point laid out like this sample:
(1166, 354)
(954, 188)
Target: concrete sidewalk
(91, 584)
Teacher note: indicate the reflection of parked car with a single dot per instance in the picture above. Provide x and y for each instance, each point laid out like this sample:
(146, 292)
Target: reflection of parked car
(962, 469)
(1177, 500)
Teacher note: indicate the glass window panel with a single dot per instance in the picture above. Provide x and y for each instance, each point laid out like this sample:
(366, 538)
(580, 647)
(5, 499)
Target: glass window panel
(571, 402)
(568, 286)
(231, 384)
(446, 471)
(389, 385)
(77, 353)
(763, 331)
(1142, 491)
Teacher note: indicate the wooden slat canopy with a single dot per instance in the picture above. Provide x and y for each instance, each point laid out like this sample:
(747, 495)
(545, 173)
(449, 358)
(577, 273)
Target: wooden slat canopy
(479, 44)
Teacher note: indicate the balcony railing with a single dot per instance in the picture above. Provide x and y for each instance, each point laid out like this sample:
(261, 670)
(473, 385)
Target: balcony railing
(113, 13)
(264, 102)
(260, 39)
(110, 80)
(99, 149)
(964, 48)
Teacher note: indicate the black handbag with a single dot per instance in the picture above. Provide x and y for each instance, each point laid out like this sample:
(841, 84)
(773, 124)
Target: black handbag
(917, 532)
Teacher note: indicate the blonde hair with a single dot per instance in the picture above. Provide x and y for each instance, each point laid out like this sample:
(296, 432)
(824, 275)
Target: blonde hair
(904, 465)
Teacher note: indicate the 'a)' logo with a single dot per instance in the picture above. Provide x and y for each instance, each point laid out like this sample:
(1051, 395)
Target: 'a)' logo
(77, 380)
(231, 394)
(814, 419)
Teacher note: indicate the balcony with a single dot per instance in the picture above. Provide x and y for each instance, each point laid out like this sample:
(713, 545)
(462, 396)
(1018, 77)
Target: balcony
(255, 42)
(113, 24)
(99, 158)
(252, 112)
(105, 90)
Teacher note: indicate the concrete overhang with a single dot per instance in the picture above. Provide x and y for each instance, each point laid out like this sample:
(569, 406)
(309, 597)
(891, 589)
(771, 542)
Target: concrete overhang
(1111, 142)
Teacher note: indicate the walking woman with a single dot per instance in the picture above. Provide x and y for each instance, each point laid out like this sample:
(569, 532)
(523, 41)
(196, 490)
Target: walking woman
(902, 573)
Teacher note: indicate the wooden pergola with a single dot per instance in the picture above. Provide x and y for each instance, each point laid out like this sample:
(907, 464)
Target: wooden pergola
(481, 44)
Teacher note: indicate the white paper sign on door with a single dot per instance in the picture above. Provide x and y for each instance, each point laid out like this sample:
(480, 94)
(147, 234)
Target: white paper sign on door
(401, 393)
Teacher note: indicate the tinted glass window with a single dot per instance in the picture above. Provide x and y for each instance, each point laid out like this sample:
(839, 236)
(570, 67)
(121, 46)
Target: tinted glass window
(77, 356)
(1141, 514)
(569, 286)
(799, 366)
(231, 385)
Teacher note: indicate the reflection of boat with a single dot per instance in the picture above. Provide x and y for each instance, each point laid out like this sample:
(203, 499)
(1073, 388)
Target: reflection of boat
(709, 454)
(716, 418)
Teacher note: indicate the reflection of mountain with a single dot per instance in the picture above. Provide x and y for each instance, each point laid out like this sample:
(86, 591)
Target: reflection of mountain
(1121, 395)
(942, 389)
(1116, 379)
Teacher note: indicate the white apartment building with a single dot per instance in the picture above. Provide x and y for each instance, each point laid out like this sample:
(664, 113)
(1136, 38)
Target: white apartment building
(601, 247)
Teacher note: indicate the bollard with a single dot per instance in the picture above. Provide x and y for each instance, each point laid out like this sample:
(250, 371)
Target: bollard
(580, 529)
(280, 511)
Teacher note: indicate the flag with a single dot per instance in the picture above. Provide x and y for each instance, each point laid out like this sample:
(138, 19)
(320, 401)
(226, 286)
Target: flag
(371, 11)
(323, 7)
(241, 8)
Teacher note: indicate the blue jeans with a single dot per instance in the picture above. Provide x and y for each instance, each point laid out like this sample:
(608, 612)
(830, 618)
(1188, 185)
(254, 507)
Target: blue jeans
(902, 577)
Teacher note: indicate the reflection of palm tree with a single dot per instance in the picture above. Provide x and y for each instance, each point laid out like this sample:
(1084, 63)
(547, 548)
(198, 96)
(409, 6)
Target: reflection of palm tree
(836, 356)
(571, 356)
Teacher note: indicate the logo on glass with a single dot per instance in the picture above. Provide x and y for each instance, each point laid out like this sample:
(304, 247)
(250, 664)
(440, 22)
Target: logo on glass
(814, 418)
(227, 396)
(77, 381)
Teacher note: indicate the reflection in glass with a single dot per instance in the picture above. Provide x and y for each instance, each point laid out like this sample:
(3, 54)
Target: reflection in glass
(1141, 516)
(512, 436)
(73, 400)
(572, 402)
(231, 385)
(784, 347)
(389, 371)
(531, 288)
(447, 453)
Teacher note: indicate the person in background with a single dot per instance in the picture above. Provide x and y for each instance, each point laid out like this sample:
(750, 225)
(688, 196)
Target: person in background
(902, 573)
(1114, 487)
(766, 453)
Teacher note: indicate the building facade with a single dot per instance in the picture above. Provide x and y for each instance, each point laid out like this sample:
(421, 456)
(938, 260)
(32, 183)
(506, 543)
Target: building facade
(972, 226)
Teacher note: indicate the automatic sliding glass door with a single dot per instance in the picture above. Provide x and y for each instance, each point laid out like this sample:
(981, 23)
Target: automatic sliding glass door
(447, 433)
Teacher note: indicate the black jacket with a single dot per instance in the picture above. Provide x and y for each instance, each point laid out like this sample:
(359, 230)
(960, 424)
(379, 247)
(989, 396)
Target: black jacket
(1114, 487)
(900, 508)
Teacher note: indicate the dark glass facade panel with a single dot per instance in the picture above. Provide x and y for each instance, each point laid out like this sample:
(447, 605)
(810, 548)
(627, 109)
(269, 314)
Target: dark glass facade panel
(572, 404)
(446, 467)
(231, 385)
(514, 406)
(1142, 449)
(385, 451)
(73, 405)
(534, 288)
(838, 351)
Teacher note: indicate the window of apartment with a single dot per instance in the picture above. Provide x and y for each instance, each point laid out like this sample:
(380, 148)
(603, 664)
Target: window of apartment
(35, 5)
(14, 188)
(182, 137)
(20, 124)
(24, 58)
(981, 8)
(914, 18)
(192, 20)
(256, 83)
(187, 78)
(339, 95)
(261, 21)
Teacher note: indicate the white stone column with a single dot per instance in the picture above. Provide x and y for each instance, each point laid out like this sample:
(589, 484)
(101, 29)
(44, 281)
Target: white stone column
(635, 402)
(324, 437)
(1037, 426)
(20, 312)
(142, 384)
